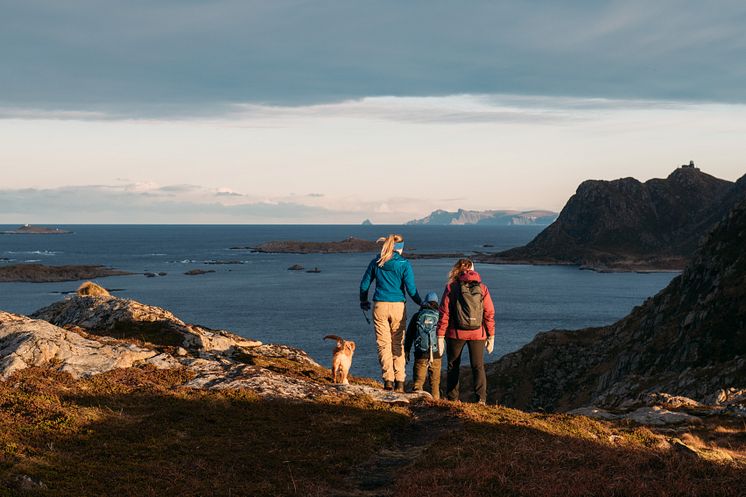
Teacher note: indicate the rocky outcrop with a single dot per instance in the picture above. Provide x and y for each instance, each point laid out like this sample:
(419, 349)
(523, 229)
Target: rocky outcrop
(689, 340)
(492, 217)
(39, 273)
(27, 343)
(128, 319)
(87, 335)
(629, 225)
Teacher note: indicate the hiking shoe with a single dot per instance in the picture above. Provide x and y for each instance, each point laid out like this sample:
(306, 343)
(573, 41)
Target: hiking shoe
(399, 386)
(482, 402)
(388, 385)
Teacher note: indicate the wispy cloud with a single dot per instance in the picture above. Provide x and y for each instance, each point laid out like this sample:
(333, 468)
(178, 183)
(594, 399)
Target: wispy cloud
(151, 203)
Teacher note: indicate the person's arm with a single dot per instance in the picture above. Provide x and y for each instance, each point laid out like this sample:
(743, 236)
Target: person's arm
(365, 283)
(444, 310)
(410, 334)
(408, 278)
(488, 317)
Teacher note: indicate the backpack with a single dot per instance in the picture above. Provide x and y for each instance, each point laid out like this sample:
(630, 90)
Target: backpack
(469, 305)
(426, 339)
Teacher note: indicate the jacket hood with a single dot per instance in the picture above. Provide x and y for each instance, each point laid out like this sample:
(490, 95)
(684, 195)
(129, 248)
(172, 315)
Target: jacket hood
(467, 276)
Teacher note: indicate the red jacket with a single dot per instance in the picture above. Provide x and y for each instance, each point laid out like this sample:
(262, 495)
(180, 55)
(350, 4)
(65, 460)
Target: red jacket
(447, 306)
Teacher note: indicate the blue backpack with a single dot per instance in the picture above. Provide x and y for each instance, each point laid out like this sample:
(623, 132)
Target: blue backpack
(426, 340)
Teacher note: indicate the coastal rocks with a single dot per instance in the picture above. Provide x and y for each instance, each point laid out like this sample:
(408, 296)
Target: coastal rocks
(26, 342)
(123, 318)
(197, 272)
(296, 267)
(102, 333)
(39, 273)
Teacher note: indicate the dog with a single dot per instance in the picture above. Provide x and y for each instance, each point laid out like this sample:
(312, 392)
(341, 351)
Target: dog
(341, 359)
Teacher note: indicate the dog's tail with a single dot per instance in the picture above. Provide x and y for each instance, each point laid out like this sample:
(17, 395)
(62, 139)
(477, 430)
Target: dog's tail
(333, 337)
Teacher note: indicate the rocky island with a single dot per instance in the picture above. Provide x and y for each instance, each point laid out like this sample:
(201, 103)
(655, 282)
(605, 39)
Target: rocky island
(347, 246)
(40, 273)
(35, 230)
(626, 225)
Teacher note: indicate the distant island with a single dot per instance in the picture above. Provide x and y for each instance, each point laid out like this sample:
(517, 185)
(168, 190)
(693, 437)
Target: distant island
(347, 246)
(492, 217)
(627, 225)
(39, 273)
(367, 222)
(27, 229)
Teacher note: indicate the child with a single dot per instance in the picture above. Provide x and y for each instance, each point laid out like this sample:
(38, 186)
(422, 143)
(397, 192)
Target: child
(421, 333)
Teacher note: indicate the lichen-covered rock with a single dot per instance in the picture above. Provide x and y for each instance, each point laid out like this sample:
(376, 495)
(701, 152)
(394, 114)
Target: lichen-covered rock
(28, 342)
(97, 341)
(123, 318)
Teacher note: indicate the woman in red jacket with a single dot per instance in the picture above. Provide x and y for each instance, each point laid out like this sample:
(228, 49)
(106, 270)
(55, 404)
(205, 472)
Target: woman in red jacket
(467, 318)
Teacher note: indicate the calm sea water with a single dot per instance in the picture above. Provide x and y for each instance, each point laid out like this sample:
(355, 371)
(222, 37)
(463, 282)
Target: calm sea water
(260, 298)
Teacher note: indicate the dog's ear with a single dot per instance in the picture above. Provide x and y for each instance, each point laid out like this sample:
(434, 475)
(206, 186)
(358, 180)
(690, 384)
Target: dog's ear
(351, 346)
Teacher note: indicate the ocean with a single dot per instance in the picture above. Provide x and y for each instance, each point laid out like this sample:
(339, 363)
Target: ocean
(256, 296)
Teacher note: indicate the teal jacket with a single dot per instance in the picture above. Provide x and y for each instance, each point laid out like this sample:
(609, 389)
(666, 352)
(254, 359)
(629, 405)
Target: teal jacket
(392, 280)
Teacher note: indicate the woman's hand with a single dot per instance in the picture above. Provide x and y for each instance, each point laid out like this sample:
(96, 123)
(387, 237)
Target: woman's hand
(441, 346)
(490, 344)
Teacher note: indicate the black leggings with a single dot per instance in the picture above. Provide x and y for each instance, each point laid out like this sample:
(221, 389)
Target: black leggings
(454, 348)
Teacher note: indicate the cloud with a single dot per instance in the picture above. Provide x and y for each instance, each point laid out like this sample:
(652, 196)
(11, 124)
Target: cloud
(150, 203)
(76, 59)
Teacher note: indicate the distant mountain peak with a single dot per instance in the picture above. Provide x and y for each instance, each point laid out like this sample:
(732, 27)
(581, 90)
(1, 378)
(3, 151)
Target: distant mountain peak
(461, 216)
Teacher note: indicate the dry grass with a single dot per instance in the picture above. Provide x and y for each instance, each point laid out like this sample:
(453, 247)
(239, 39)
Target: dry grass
(91, 288)
(507, 452)
(131, 432)
(135, 432)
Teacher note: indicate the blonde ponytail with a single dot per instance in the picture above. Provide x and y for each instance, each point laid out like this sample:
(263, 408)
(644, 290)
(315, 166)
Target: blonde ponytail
(387, 250)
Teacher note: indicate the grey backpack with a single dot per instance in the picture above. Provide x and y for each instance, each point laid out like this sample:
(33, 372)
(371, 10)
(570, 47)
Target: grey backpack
(469, 305)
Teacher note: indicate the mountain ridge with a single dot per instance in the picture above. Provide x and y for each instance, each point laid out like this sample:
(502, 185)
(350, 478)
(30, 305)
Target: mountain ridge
(442, 217)
(627, 224)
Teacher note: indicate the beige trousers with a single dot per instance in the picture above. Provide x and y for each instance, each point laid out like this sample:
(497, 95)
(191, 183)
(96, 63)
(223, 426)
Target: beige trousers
(390, 321)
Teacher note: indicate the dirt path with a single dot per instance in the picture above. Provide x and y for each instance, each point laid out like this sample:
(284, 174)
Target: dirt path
(376, 476)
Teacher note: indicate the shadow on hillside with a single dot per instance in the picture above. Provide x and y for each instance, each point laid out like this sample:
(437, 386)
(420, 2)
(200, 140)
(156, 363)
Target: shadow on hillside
(125, 438)
(511, 457)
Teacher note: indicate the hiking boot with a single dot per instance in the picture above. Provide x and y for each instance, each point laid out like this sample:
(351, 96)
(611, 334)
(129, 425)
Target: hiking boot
(388, 385)
(399, 387)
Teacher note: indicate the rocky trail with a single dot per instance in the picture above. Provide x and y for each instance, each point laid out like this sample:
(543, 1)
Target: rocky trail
(428, 424)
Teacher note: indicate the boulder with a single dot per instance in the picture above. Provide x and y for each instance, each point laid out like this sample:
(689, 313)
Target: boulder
(26, 342)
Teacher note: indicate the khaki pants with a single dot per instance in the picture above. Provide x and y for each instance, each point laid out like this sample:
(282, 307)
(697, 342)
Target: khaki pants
(421, 370)
(389, 320)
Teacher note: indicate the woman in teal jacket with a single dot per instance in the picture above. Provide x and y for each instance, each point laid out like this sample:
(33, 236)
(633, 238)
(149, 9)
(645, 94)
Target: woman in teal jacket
(393, 276)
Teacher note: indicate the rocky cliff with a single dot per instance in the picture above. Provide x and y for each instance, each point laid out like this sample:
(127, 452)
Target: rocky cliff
(492, 217)
(689, 340)
(629, 225)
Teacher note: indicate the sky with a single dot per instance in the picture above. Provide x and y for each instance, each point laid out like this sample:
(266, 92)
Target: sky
(240, 111)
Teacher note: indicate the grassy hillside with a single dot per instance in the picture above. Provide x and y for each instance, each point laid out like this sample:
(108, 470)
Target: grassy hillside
(133, 432)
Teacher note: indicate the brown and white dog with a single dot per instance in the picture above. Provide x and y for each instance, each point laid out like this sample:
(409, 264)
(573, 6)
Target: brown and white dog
(341, 359)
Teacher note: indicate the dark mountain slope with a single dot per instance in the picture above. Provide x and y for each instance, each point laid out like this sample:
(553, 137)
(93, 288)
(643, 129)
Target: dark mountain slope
(688, 340)
(626, 224)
